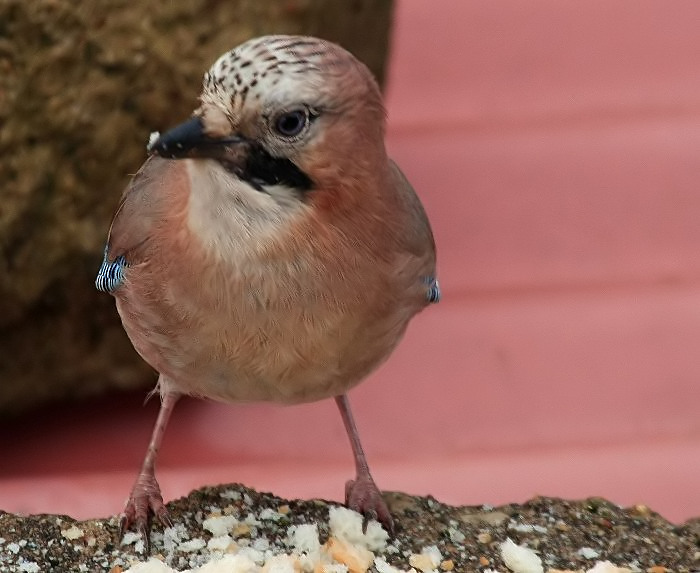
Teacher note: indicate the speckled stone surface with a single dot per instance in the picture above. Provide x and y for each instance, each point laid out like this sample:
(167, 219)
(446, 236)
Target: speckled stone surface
(571, 535)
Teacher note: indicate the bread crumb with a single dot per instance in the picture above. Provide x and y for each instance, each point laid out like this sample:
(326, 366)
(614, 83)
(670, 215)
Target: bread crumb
(520, 559)
(220, 525)
(484, 538)
(229, 564)
(280, 564)
(333, 568)
(241, 529)
(358, 559)
(382, 566)
(270, 514)
(254, 555)
(192, 545)
(223, 543)
(427, 560)
(303, 539)
(347, 525)
(72, 533)
(153, 565)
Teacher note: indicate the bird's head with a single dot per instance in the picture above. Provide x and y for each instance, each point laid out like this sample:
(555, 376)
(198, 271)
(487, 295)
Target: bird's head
(285, 110)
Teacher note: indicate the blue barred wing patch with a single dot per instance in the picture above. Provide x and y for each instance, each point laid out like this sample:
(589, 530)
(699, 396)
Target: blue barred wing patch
(433, 294)
(111, 274)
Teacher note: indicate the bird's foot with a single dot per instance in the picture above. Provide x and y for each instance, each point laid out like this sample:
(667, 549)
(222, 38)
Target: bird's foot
(363, 496)
(144, 502)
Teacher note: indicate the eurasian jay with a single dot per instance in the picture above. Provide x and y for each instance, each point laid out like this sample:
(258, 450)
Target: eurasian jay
(268, 249)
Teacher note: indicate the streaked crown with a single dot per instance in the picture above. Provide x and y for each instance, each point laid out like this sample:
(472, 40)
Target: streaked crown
(268, 74)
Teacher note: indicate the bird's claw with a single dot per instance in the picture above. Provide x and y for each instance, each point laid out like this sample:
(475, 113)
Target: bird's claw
(144, 502)
(363, 496)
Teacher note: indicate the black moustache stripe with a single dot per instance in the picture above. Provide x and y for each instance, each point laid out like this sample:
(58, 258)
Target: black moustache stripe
(261, 169)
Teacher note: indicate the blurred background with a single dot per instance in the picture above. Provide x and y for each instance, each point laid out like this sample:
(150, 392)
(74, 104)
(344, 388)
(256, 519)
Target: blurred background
(555, 147)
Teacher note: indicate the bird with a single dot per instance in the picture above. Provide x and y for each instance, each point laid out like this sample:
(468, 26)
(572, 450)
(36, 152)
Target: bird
(268, 249)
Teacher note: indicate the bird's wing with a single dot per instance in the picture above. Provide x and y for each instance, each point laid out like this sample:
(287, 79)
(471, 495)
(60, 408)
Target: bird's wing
(418, 238)
(142, 207)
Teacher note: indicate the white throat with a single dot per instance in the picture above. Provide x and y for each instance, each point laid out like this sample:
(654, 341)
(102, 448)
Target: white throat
(229, 215)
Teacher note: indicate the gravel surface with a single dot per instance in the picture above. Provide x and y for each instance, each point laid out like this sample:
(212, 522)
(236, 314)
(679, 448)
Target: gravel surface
(232, 520)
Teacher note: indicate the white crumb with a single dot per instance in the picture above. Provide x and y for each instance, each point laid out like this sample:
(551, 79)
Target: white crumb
(236, 547)
(261, 544)
(250, 519)
(220, 543)
(173, 536)
(347, 525)
(72, 533)
(335, 568)
(357, 558)
(271, 514)
(192, 545)
(220, 525)
(280, 564)
(130, 537)
(229, 564)
(588, 553)
(520, 559)
(13, 547)
(456, 536)
(303, 539)
(152, 138)
(427, 560)
(153, 565)
(382, 566)
(29, 567)
(257, 557)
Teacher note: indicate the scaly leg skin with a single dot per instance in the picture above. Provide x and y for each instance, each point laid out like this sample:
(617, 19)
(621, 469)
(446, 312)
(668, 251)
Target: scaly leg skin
(362, 494)
(146, 500)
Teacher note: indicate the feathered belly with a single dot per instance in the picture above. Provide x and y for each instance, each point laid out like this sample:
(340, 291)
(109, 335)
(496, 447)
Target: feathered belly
(254, 348)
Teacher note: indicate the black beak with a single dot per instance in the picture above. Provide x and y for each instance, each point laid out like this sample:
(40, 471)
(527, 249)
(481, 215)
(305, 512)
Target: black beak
(189, 140)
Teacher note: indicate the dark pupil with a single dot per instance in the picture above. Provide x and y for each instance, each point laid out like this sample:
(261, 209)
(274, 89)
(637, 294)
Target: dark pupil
(291, 123)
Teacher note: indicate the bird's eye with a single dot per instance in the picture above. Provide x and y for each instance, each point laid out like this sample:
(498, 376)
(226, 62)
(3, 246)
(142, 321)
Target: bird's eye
(292, 123)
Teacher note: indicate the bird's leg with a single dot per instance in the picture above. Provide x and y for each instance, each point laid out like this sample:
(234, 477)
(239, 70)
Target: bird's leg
(362, 494)
(145, 499)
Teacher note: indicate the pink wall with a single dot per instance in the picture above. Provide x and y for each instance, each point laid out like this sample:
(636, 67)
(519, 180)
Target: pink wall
(556, 146)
